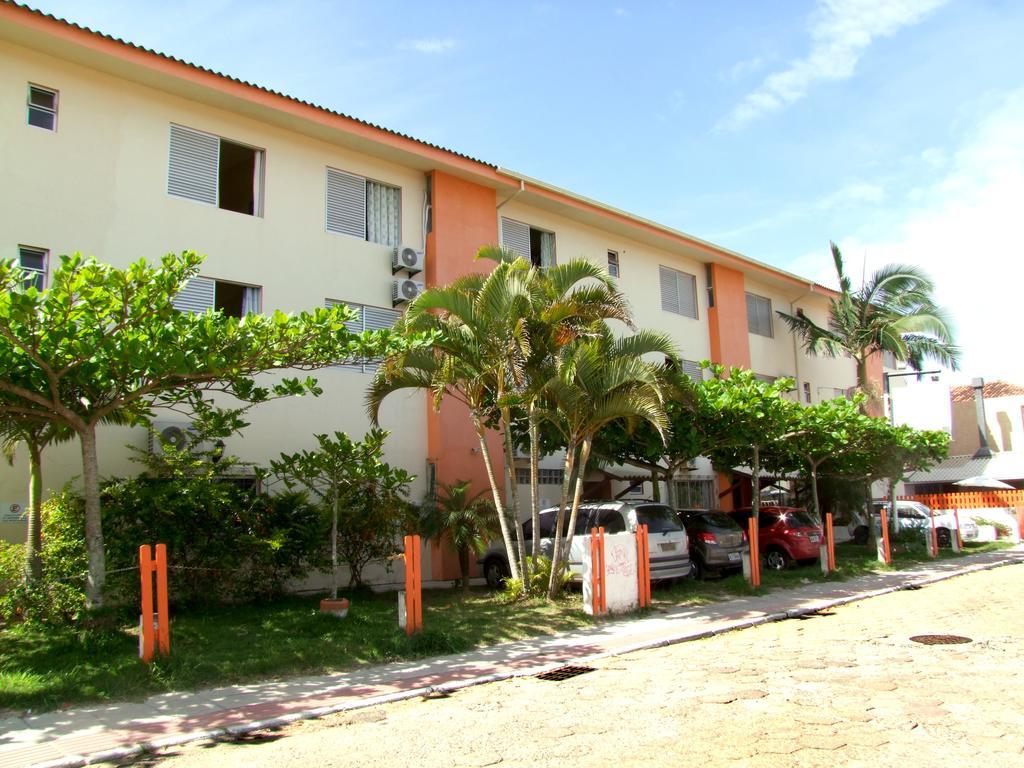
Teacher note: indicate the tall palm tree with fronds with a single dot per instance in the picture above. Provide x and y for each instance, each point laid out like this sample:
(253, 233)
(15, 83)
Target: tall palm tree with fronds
(597, 381)
(893, 311)
(466, 518)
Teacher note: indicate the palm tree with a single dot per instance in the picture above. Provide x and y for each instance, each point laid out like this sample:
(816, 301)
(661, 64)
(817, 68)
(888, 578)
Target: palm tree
(893, 311)
(467, 519)
(598, 381)
(479, 346)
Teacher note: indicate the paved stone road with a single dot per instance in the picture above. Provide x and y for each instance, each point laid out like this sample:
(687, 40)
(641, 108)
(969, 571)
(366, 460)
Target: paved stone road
(844, 688)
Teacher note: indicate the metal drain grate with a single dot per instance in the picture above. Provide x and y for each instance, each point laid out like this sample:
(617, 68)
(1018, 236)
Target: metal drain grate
(564, 673)
(940, 639)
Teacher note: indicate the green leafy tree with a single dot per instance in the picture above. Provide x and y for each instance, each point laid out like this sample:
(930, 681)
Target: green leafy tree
(102, 341)
(467, 519)
(598, 381)
(893, 311)
(742, 419)
(825, 432)
(365, 496)
(641, 445)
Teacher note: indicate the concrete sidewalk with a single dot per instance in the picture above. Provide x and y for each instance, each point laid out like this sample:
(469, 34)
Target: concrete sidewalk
(102, 733)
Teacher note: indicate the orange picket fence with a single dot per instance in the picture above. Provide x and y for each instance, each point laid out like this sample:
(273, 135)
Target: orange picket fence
(969, 499)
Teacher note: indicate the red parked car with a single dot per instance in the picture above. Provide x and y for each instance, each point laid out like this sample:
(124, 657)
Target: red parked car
(785, 534)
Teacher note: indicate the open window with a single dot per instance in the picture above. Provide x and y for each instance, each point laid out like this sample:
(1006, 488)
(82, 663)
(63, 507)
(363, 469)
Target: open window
(216, 171)
(232, 299)
(536, 245)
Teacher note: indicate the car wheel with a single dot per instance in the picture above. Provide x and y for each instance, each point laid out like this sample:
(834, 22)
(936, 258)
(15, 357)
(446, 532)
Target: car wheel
(943, 535)
(697, 569)
(776, 560)
(860, 535)
(495, 571)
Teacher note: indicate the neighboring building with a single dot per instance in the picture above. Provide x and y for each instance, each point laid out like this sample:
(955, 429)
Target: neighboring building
(121, 152)
(987, 438)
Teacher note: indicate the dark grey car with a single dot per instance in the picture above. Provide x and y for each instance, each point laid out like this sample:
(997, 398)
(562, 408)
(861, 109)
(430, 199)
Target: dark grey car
(717, 543)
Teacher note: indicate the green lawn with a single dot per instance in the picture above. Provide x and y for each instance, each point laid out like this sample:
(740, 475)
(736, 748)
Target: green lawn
(46, 667)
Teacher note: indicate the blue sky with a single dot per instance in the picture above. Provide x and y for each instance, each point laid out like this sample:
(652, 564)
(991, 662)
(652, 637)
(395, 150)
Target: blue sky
(894, 127)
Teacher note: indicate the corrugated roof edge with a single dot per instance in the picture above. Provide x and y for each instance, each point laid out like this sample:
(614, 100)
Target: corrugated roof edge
(246, 83)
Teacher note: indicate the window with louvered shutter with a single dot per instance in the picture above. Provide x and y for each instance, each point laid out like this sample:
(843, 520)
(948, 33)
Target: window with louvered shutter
(759, 315)
(678, 292)
(368, 319)
(516, 237)
(692, 369)
(346, 204)
(197, 296)
(193, 165)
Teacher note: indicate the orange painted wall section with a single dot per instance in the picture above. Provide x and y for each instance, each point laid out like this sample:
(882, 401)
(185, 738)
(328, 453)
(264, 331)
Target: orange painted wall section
(464, 218)
(727, 320)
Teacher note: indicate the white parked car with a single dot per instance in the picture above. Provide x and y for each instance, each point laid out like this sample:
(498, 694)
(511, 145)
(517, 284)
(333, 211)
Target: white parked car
(915, 515)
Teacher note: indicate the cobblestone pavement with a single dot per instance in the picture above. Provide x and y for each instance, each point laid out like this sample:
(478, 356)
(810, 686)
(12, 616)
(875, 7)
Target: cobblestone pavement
(847, 687)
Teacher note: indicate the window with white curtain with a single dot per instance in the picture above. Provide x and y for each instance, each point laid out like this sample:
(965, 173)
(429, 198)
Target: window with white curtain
(232, 299)
(367, 319)
(362, 208)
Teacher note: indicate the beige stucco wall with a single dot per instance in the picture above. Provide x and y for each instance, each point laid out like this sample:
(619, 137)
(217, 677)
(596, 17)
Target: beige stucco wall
(639, 279)
(1003, 418)
(98, 185)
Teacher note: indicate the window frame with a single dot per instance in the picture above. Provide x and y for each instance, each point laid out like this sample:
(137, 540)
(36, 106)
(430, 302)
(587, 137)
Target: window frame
(753, 323)
(362, 367)
(677, 275)
(46, 110)
(366, 181)
(43, 273)
(614, 265)
(259, 172)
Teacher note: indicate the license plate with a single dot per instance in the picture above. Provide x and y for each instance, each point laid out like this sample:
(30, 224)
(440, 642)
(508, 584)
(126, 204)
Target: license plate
(671, 547)
(734, 555)
(815, 539)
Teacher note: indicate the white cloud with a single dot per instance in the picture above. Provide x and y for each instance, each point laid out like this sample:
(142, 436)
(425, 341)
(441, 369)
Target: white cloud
(741, 69)
(856, 193)
(428, 45)
(841, 31)
(965, 232)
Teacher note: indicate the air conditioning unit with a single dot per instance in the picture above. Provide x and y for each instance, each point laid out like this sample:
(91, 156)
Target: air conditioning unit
(404, 290)
(177, 434)
(408, 258)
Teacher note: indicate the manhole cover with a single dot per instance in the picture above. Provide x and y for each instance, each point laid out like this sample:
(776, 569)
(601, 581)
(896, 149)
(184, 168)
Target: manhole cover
(940, 639)
(564, 673)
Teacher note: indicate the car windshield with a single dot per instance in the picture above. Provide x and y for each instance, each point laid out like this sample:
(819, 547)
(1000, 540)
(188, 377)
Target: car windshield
(658, 519)
(717, 520)
(799, 519)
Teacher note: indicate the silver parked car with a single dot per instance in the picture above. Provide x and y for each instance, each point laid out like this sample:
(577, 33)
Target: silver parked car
(670, 558)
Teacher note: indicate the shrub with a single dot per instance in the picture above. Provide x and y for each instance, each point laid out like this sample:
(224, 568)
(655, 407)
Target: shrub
(59, 596)
(1003, 531)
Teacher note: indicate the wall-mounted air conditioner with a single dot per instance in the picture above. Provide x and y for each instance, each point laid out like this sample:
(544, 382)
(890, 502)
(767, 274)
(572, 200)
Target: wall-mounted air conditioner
(404, 290)
(176, 434)
(407, 258)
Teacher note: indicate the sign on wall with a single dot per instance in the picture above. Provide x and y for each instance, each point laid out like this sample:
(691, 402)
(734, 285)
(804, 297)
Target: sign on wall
(13, 512)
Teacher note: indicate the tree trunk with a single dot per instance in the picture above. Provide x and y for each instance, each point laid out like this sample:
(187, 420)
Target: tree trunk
(510, 550)
(93, 521)
(513, 491)
(554, 580)
(464, 569)
(584, 455)
(534, 475)
(873, 405)
(655, 485)
(34, 540)
(334, 548)
(814, 491)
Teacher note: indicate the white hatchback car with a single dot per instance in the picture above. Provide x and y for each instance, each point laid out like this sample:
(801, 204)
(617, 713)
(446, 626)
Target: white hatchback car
(915, 515)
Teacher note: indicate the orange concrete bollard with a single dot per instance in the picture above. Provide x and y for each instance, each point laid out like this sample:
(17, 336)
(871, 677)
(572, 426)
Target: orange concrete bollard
(755, 554)
(643, 567)
(597, 597)
(933, 540)
(886, 551)
(413, 586)
(154, 628)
